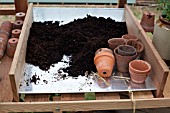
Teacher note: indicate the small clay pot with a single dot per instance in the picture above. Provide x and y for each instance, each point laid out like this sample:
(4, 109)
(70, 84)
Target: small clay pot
(129, 37)
(115, 42)
(126, 50)
(139, 69)
(18, 24)
(147, 21)
(104, 50)
(122, 62)
(137, 45)
(104, 62)
(6, 27)
(20, 16)
(16, 33)
(11, 47)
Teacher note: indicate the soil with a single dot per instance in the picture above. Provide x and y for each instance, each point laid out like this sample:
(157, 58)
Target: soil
(48, 42)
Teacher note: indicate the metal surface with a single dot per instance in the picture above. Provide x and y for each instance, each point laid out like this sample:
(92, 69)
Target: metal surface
(54, 81)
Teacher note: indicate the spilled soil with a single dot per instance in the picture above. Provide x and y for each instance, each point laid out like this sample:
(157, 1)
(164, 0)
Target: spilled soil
(48, 42)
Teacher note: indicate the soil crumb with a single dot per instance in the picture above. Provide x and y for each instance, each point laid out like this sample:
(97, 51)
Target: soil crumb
(48, 42)
(34, 79)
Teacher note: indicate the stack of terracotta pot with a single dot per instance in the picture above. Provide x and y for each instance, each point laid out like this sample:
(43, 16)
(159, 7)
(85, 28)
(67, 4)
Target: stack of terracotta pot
(9, 35)
(125, 52)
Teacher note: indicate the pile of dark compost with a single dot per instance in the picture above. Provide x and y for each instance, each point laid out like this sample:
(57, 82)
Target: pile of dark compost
(49, 41)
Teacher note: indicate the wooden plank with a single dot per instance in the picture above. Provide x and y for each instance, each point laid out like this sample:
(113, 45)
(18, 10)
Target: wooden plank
(142, 95)
(72, 97)
(5, 86)
(19, 57)
(166, 92)
(159, 70)
(21, 5)
(56, 98)
(37, 98)
(107, 96)
(121, 3)
(7, 11)
(83, 105)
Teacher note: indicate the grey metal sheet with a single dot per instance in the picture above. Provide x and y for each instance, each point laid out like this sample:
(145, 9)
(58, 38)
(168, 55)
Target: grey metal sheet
(52, 82)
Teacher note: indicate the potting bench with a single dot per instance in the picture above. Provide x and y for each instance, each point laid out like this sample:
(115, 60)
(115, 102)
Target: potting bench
(9, 85)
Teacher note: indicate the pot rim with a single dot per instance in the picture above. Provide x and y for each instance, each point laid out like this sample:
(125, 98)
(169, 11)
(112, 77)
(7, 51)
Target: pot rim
(136, 38)
(127, 46)
(140, 71)
(115, 52)
(111, 39)
(104, 54)
(142, 46)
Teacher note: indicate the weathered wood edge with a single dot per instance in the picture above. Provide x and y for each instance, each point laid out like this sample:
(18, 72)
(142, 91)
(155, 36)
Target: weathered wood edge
(83, 105)
(19, 57)
(7, 11)
(159, 69)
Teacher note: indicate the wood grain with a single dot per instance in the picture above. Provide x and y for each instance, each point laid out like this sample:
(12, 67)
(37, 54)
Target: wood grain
(72, 97)
(83, 105)
(19, 57)
(159, 70)
(37, 98)
(5, 86)
(142, 95)
(7, 11)
(107, 96)
(166, 92)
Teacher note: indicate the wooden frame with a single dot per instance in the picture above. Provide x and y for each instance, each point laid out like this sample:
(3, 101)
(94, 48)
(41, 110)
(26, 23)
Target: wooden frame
(20, 6)
(104, 101)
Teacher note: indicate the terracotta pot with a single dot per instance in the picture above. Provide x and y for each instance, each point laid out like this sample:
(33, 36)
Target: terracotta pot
(139, 70)
(122, 62)
(129, 37)
(16, 33)
(18, 24)
(115, 42)
(137, 45)
(103, 50)
(11, 47)
(3, 43)
(20, 16)
(126, 50)
(104, 62)
(147, 21)
(6, 27)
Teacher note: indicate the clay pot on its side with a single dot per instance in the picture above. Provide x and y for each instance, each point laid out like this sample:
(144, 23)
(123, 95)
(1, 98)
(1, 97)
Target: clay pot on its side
(16, 33)
(122, 62)
(137, 45)
(11, 47)
(104, 62)
(20, 16)
(18, 24)
(126, 50)
(3, 43)
(6, 27)
(139, 70)
(129, 37)
(147, 21)
(115, 42)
